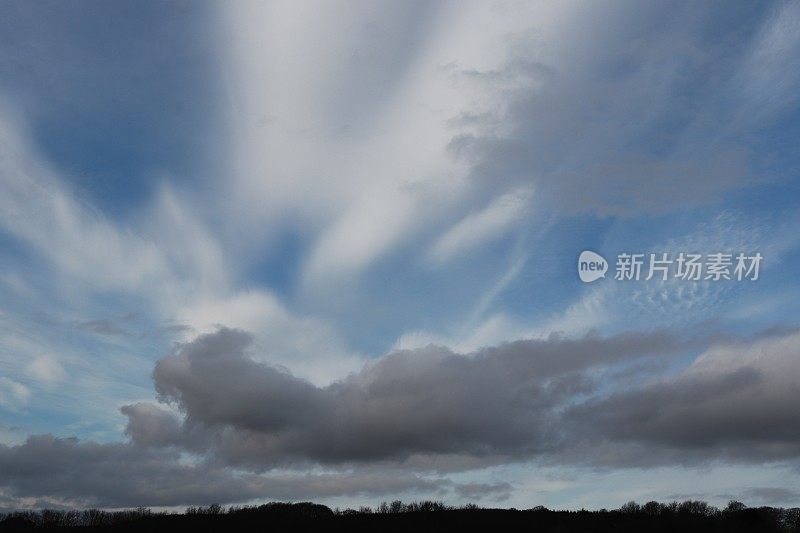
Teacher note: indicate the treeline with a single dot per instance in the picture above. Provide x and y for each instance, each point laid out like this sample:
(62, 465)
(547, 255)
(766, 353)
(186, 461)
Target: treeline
(417, 516)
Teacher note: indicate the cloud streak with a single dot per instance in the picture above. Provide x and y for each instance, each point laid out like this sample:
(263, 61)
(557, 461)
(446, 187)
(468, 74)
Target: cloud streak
(478, 228)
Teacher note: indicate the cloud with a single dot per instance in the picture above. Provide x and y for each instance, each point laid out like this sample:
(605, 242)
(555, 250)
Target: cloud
(36, 208)
(619, 124)
(480, 227)
(548, 399)
(339, 156)
(358, 145)
(481, 491)
(168, 257)
(768, 75)
(311, 346)
(151, 426)
(46, 369)
(771, 495)
(498, 401)
(76, 473)
(242, 429)
(392, 131)
(12, 393)
(736, 401)
(109, 475)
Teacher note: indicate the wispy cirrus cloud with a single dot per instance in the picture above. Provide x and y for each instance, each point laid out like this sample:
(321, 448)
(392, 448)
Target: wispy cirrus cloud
(481, 227)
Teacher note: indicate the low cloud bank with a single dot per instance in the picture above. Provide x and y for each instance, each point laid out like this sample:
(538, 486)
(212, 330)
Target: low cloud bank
(233, 429)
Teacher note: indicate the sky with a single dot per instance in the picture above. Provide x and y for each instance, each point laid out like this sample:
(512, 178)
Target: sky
(329, 251)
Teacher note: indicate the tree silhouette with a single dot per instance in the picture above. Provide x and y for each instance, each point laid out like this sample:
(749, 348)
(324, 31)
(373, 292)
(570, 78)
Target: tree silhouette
(423, 516)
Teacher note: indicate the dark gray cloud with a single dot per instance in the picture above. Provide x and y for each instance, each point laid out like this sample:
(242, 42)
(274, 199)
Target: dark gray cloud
(500, 401)
(647, 113)
(150, 425)
(69, 472)
(432, 409)
(118, 474)
(737, 402)
(771, 495)
(480, 491)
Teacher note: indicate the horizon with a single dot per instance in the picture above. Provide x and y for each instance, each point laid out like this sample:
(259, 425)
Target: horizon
(425, 515)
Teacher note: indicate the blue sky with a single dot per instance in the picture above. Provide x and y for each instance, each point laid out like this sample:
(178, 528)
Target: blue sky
(360, 195)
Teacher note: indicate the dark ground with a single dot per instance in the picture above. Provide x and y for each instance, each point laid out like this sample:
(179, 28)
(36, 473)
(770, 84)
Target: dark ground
(417, 517)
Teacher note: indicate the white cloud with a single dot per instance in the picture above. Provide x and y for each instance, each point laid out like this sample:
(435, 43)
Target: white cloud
(46, 369)
(343, 118)
(769, 76)
(588, 313)
(366, 231)
(310, 346)
(12, 393)
(776, 358)
(165, 255)
(481, 227)
(37, 208)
